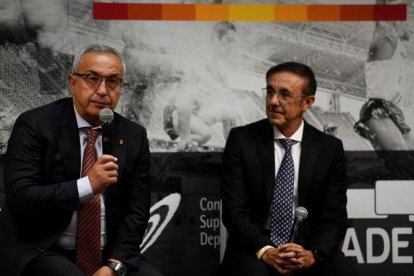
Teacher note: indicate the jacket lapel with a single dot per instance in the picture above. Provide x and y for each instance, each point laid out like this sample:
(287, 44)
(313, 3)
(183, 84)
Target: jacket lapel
(119, 151)
(119, 143)
(265, 150)
(309, 151)
(67, 136)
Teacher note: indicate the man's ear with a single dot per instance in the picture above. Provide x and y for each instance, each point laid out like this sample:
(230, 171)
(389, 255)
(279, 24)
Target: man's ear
(308, 102)
(71, 81)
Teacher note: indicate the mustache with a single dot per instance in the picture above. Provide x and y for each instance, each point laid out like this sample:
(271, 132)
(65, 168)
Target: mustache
(275, 108)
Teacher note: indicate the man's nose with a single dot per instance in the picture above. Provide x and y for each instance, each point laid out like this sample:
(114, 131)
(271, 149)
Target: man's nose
(274, 99)
(102, 89)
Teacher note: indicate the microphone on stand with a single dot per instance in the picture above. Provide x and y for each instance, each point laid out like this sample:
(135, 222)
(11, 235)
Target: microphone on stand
(301, 213)
(106, 116)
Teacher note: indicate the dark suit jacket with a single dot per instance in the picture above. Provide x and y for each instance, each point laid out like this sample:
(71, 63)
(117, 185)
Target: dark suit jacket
(41, 168)
(247, 186)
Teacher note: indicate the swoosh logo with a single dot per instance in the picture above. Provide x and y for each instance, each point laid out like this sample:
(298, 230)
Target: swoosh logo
(160, 215)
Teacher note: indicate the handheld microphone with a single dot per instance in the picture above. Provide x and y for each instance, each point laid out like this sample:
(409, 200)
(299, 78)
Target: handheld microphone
(301, 213)
(106, 116)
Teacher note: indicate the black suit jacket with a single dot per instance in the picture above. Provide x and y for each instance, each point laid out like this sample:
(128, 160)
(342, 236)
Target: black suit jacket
(247, 186)
(41, 169)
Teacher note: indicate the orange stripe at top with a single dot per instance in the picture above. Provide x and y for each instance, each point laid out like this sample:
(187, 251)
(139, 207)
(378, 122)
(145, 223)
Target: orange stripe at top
(291, 13)
(212, 12)
(144, 12)
(178, 12)
(324, 12)
(249, 12)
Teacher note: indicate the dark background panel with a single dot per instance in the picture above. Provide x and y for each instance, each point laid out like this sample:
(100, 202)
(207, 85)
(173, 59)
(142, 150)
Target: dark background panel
(189, 243)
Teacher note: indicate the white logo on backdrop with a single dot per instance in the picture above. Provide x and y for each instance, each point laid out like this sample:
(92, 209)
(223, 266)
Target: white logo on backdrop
(160, 215)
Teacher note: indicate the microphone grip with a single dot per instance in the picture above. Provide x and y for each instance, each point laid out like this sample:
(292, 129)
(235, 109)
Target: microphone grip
(295, 230)
(107, 139)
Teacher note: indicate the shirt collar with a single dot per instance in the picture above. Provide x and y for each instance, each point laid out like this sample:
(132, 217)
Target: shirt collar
(297, 136)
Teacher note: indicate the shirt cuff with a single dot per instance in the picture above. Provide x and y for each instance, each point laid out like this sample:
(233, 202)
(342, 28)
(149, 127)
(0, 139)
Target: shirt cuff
(84, 189)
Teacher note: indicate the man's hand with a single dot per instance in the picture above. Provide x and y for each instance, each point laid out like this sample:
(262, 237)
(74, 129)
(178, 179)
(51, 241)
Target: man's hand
(103, 173)
(307, 258)
(283, 259)
(287, 258)
(105, 271)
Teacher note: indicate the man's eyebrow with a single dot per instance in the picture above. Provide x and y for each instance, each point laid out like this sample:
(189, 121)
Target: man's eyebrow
(115, 75)
(284, 90)
(96, 73)
(91, 72)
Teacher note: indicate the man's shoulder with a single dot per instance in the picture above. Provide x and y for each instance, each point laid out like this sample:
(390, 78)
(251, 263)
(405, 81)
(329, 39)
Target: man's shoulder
(127, 123)
(311, 132)
(48, 111)
(254, 128)
(251, 133)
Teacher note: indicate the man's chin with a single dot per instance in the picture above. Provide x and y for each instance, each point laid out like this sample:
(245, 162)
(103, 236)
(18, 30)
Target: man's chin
(276, 121)
(93, 114)
(92, 118)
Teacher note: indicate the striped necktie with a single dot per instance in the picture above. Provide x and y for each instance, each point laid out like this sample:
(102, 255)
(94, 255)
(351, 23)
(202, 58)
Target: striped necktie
(88, 238)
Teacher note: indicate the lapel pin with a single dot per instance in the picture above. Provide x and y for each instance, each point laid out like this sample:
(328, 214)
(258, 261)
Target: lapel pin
(121, 142)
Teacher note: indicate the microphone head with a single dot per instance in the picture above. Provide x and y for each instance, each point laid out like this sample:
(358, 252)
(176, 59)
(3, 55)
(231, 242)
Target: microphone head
(106, 115)
(301, 213)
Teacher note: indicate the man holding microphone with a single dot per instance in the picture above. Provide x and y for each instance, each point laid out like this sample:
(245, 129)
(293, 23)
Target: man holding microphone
(72, 209)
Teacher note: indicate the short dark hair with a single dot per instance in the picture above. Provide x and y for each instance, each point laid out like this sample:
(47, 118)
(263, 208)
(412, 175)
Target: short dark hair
(299, 69)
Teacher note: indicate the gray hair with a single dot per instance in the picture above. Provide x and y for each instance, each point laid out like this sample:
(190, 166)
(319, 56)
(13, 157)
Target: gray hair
(95, 48)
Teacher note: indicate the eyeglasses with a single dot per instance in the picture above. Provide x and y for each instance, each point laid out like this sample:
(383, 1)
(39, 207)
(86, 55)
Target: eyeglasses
(282, 95)
(95, 80)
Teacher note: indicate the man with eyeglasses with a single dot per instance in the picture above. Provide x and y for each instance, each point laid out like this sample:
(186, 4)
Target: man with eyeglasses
(270, 168)
(59, 185)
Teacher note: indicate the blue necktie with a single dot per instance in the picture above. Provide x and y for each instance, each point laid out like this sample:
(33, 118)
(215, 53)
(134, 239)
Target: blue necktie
(282, 203)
